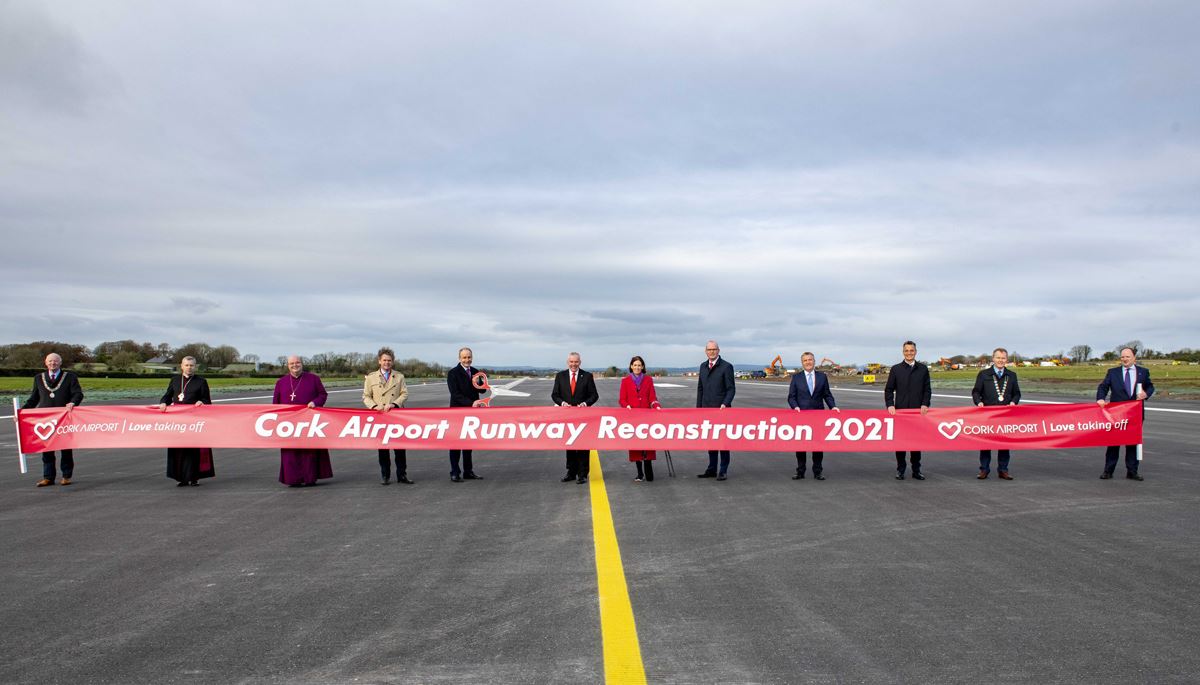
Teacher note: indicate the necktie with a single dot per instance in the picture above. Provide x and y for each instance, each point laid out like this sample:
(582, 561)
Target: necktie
(711, 365)
(1128, 384)
(572, 383)
(810, 383)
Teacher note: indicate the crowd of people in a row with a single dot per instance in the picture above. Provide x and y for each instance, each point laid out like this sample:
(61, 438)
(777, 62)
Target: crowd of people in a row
(908, 387)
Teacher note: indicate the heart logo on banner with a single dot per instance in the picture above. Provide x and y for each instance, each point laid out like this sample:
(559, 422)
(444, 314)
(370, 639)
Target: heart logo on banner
(45, 429)
(950, 429)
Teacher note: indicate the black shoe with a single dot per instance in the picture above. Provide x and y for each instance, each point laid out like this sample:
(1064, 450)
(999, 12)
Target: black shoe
(455, 479)
(817, 476)
(798, 476)
(471, 476)
(720, 476)
(386, 480)
(899, 475)
(581, 480)
(706, 474)
(180, 485)
(194, 483)
(1134, 476)
(918, 476)
(1105, 476)
(403, 479)
(568, 478)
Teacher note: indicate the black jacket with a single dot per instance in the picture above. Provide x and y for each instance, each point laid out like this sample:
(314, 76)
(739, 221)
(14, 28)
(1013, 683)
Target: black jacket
(715, 386)
(585, 389)
(986, 384)
(196, 391)
(908, 388)
(67, 391)
(462, 393)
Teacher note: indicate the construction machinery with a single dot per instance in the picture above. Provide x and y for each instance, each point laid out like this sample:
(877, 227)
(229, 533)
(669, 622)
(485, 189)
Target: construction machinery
(946, 364)
(827, 363)
(776, 368)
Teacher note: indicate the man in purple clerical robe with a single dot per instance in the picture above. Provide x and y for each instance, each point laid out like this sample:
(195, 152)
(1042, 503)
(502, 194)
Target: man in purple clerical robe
(297, 467)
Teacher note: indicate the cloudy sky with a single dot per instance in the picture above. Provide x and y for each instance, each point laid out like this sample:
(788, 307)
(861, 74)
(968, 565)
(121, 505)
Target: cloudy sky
(617, 178)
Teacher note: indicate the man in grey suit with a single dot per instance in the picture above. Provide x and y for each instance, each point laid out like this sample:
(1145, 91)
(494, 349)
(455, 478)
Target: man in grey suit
(715, 389)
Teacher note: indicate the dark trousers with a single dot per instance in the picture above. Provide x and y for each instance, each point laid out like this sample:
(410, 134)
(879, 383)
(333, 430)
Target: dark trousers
(818, 458)
(466, 462)
(1110, 459)
(579, 462)
(712, 461)
(914, 457)
(645, 469)
(68, 464)
(385, 467)
(985, 460)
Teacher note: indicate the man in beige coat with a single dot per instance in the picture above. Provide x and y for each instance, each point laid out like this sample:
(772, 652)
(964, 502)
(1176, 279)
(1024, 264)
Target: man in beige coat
(383, 391)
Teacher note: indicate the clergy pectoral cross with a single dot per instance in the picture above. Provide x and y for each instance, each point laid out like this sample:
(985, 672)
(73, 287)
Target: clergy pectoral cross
(293, 397)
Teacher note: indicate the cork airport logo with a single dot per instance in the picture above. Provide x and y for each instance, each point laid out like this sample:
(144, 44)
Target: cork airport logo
(950, 429)
(44, 429)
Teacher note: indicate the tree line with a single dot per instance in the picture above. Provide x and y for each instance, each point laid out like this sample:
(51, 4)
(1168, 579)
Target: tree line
(128, 355)
(117, 355)
(1079, 354)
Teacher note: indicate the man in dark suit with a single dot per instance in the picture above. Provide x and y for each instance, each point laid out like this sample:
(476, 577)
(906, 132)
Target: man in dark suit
(463, 394)
(908, 387)
(1124, 383)
(996, 387)
(55, 388)
(574, 387)
(715, 389)
(810, 390)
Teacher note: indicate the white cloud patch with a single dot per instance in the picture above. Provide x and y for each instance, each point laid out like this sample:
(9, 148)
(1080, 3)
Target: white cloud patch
(618, 178)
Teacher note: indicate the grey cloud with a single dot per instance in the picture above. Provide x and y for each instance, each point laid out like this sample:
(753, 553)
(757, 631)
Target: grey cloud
(616, 178)
(41, 61)
(194, 305)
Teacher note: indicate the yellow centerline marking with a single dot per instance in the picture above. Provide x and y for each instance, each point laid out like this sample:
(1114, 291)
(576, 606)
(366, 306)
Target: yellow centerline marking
(622, 655)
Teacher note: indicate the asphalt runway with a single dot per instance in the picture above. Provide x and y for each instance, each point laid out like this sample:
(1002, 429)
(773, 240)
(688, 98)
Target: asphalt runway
(1056, 576)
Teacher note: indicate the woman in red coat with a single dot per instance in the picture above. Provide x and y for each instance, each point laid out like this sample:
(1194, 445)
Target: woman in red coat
(637, 392)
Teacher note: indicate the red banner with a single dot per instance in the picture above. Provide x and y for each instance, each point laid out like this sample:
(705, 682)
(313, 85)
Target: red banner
(556, 428)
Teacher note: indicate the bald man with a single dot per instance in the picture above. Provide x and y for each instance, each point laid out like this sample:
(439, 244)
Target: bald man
(55, 388)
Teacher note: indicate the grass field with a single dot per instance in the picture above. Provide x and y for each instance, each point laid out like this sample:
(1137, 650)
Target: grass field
(1181, 382)
(1169, 381)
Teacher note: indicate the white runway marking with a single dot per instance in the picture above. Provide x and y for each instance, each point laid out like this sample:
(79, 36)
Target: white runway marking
(507, 391)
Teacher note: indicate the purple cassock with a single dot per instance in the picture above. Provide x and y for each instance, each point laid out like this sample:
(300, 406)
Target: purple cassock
(302, 467)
